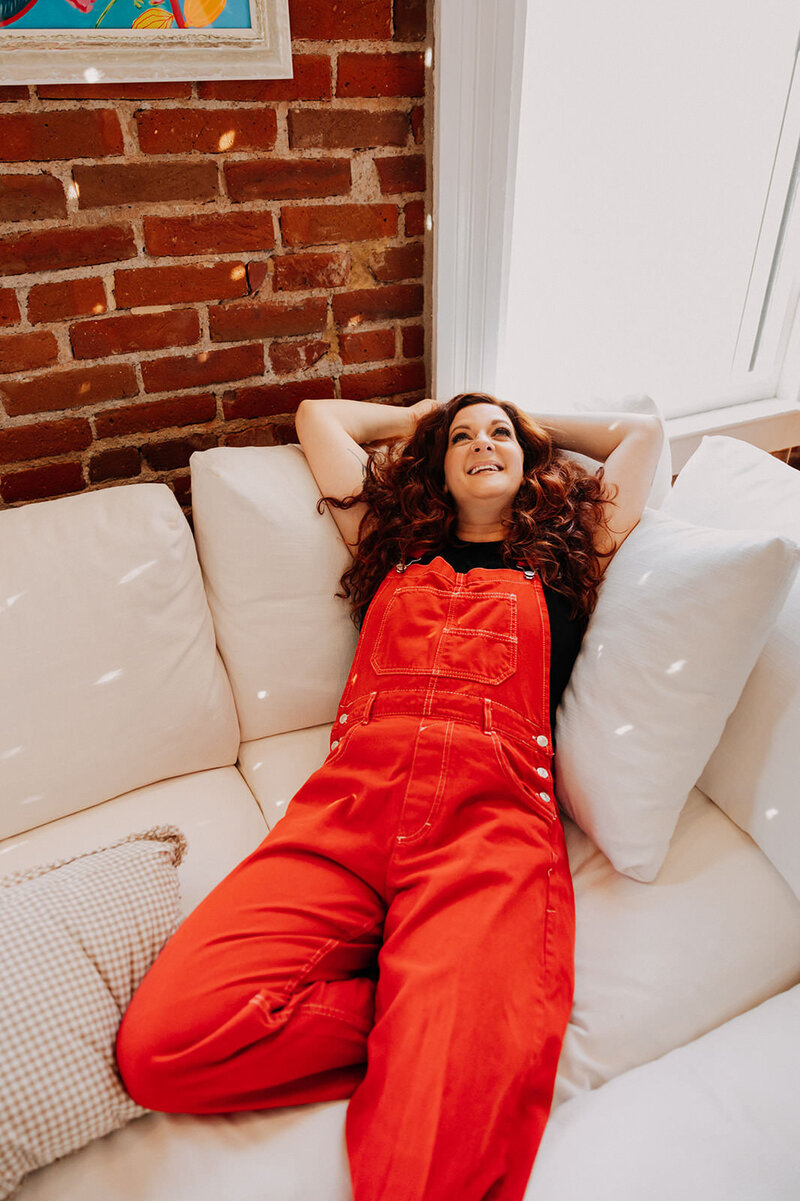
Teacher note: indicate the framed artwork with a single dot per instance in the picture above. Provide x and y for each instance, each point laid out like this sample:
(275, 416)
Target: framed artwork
(129, 41)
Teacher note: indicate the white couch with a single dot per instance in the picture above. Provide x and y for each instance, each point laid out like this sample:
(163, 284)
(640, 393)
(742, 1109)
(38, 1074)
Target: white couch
(136, 691)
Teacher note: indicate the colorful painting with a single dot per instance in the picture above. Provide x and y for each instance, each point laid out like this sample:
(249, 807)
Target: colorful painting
(85, 15)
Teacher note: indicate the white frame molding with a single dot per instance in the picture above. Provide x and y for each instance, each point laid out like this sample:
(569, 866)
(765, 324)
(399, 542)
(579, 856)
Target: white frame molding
(477, 81)
(139, 55)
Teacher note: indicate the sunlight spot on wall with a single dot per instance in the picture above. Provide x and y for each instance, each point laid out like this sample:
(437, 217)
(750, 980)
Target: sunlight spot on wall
(109, 676)
(99, 308)
(84, 388)
(428, 222)
(203, 356)
(14, 750)
(623, 729)
(237, 273)
(677, 666)
(356, 320)
(91, 75)
(227, 139)
(131, 575)
(263, 693)
(770, 813)
(429, 56)
(74, 190)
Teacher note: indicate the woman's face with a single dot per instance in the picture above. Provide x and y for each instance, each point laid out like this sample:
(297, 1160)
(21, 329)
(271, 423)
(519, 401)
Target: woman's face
(483, 463)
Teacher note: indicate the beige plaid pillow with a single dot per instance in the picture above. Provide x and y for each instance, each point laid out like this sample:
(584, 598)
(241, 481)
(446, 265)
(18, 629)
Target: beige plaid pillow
(76, 938)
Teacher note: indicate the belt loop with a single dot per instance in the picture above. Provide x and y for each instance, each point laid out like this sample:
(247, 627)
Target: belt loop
(368, 708)
(487, 715)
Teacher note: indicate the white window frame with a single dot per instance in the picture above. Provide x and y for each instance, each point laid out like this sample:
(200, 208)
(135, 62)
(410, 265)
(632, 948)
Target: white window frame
(477, 81)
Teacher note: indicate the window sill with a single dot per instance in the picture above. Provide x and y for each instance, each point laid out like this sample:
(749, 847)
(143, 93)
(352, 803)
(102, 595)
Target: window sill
(770, 424)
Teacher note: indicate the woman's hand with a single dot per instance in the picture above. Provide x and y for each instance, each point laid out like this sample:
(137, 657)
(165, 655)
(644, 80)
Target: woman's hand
(423, 407)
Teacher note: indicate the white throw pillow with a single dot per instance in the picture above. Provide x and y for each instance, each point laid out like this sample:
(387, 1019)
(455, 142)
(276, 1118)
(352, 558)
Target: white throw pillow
(754, 773)
(76, 938)
(682, 616)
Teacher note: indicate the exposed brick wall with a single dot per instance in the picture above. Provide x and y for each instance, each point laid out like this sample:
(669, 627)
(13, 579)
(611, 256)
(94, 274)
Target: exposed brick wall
(182, 263)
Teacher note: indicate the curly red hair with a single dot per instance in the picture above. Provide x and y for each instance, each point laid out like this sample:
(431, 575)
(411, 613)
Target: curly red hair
(555, 514)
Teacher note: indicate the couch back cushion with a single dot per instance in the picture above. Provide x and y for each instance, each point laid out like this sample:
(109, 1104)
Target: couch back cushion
(110, 677)
(754, 771)
(272, 566)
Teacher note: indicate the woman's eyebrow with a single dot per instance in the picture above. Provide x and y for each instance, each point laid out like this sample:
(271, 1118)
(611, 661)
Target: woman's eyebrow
(497, 421)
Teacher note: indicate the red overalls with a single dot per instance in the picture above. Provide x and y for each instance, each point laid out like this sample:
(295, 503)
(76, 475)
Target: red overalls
(404, 935)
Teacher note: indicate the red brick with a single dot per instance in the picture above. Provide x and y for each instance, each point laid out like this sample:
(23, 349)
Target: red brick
(410, 20)
(367, 347)
(257, 272)
(14, 92)
(43, 439)
(315, 224)
(287, 357)
(370, 304)
(415, 218)
(403, 173)
(37, 483)
(418, 124)
(297, 272)
(74, 133)
(72, 298)
(287, 179)
(118, 463)
(265, 400)
(265, 319)
(268, 433)
(398, 262)
(31, 197)
(384, 381)
(217, 233)
(69, 389)
(104, 184)
(174, 285)
(311, 81)
(134, 331)
(215, 131)
(373, 75)
(156, 415)
(346, 129)
(413, 341)
(176, 452)
(181, 485)
(319, 20)
(56, 249)
(26, 352)
(115, 91)
(203, 368)
(9, 307)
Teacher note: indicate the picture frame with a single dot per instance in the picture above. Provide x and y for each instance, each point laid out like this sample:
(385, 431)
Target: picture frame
(255, 44)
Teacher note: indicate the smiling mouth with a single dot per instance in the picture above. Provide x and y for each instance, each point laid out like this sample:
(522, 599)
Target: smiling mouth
(484, 467)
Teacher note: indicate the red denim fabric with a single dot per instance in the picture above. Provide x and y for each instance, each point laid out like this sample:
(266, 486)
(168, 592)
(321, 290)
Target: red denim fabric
(404, 936)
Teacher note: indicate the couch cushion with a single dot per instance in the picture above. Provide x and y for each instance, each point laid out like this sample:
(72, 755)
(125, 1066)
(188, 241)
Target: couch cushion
(110, 677)
(214, 809)
(76, 938)
(272, 566)
(275, 768)
(281, 1155)
(681, 617)
(657, 965)
(716, 1120)
(754, 772)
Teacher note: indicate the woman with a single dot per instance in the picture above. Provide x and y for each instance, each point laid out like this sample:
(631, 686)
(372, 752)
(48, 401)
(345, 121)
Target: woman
(404, 935)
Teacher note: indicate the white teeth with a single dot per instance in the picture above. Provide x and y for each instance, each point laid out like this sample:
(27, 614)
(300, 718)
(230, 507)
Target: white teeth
(483, 467)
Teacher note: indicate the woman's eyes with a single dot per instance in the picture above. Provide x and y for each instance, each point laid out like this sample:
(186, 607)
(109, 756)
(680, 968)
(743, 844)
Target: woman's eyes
(462, 434)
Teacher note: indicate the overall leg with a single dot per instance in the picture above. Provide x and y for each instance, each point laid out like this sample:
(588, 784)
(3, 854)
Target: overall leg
(474, 992)
(265, 994)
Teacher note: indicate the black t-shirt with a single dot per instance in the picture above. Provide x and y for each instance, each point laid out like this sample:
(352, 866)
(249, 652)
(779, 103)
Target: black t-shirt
(566, 632)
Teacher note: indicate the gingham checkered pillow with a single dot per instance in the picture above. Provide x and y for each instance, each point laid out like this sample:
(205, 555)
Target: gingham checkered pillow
(76, 938)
